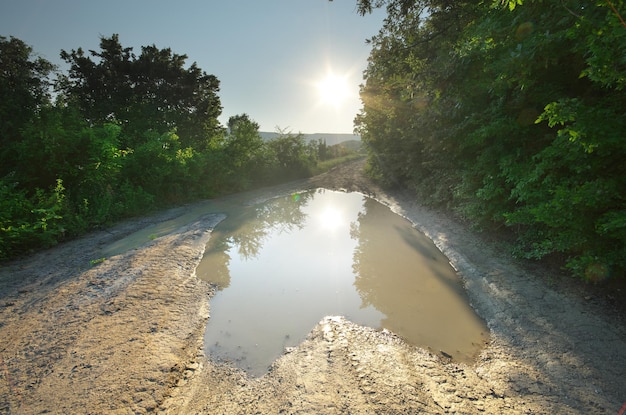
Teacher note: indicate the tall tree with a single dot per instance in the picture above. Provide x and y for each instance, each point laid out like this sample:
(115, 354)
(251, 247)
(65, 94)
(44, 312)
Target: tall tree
(243, 144)
(24, 88)
(152, 91)
(510, 111)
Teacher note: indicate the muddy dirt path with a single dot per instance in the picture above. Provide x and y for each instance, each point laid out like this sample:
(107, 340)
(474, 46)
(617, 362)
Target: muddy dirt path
(124, 335)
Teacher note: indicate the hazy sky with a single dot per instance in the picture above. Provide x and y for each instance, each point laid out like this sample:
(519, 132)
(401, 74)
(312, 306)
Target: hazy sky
(269, 55)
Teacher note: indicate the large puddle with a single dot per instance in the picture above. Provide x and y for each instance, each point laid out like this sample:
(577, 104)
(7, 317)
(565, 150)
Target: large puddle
(281, 266)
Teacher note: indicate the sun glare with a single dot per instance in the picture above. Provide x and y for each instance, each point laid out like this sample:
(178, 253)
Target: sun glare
(331, 218)
(333, 90)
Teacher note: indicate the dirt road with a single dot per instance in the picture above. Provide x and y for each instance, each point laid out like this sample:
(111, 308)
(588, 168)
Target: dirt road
(124, 335)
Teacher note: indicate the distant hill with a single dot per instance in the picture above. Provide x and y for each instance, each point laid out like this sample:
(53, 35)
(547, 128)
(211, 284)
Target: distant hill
(331, 139)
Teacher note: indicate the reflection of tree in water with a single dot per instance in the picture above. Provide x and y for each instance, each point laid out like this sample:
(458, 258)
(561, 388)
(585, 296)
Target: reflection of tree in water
(400, 272)
(388, 261)
(370, 243)
(246, 229)
(277, 216)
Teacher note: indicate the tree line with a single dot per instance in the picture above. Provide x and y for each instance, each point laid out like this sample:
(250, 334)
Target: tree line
(510, 112)
(119, 134)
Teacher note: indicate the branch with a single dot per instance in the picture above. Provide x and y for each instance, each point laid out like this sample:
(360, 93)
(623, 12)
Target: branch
(570, 11)
(621, 19)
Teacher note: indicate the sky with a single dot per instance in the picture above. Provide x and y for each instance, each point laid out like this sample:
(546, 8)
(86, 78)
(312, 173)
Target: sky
(272, 57)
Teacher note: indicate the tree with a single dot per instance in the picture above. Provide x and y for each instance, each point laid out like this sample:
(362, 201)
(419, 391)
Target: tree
(25, 89)
(243, 140)
(106, 148)
(294, 158)
(245, 151)
(152, 91)
(409, 100)
(512, 113)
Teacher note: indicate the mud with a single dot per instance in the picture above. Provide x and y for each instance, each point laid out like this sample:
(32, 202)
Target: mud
(124, 335)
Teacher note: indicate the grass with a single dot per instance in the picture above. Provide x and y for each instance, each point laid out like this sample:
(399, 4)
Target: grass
(97, 261)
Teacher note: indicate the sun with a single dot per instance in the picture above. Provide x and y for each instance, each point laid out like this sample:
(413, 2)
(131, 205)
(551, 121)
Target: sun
(333, 90)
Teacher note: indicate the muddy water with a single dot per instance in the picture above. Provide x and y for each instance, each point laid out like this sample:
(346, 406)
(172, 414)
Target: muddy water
(280, 267)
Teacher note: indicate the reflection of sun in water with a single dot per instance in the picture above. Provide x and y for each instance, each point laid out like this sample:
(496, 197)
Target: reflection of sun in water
(331, 218)
(333, 90)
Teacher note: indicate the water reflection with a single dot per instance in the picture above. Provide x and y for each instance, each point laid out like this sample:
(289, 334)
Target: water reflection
(282, 266)
(401, 273)
(246, 229)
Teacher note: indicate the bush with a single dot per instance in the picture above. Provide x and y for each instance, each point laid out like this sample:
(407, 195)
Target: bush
(30, 222)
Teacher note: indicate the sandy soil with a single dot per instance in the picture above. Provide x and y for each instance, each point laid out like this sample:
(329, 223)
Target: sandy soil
(124, 335)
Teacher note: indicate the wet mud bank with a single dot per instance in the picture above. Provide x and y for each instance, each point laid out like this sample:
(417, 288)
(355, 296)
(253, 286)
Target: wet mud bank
(82, 335)
(124, 335)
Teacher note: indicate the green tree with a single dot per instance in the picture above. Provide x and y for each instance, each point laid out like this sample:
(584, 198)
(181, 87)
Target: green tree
(293, 157)
(409, 97)
(163, 168)
(511, 112)
(108, 147)
(152, 91)
(244, 149)
(25, 89)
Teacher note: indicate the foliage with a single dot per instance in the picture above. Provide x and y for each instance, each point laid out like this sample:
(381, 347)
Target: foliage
(244, 149)
(28, 222)
(94, 262)
(152, 91)
(160, 166)
(126, 134)
(512, 113)
(24, 82)
(293, 157)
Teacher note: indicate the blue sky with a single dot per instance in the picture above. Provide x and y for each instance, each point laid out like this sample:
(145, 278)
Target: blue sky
(269, 55)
